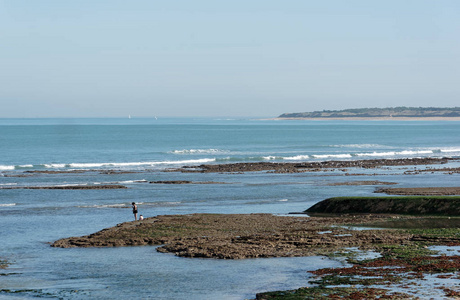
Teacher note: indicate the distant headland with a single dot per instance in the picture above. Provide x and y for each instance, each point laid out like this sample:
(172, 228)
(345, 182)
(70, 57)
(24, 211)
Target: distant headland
(390, 113)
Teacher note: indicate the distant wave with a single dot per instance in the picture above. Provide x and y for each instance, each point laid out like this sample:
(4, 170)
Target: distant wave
(350, 155)
(7, 204)
(297, 157)
(139, 164)
(124, 165)
(252, 157)
(449, 150)
(128, 205)
(6, 168)
(326, 156)
(397, 153)
(200, 151)
(360, 146)
(121, 182)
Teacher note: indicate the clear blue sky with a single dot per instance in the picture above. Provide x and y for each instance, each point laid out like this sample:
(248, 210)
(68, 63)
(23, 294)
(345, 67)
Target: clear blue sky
(110, 58)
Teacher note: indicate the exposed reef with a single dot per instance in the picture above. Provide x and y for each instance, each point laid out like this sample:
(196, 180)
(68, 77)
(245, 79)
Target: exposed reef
(425, 191)
(308, 166)
(245, 236)
(414, 205)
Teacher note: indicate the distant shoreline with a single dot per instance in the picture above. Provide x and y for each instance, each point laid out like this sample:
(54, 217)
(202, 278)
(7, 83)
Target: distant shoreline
(374, 119)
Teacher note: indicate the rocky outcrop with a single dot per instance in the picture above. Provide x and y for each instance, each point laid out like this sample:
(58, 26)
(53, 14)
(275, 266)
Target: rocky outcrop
(308, 166)
(239, 236)
(389, 205)
(425, 191)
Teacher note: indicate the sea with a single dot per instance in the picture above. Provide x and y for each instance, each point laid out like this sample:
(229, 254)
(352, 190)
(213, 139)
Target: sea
(139, 150)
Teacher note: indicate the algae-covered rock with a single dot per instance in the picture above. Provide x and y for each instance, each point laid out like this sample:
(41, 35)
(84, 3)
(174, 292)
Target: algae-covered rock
(415, 205)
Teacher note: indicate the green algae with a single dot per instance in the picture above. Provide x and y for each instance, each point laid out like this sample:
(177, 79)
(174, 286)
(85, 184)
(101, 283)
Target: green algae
(321, 293)
(409, 205)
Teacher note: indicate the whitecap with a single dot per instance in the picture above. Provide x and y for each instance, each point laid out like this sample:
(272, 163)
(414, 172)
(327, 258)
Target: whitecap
(131, 181)
(140, 164)
(26, 166)
(116, 205)
(8, 204)
(449, 150)
(359, 146)
(6, 168)
(333, 156)
(297, 157)
(391, 153)
(71, 184)
(58, 166)
(269, 157)
(411, 152)
(199, 151)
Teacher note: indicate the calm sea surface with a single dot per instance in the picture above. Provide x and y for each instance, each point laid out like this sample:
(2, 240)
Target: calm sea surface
(30, 219)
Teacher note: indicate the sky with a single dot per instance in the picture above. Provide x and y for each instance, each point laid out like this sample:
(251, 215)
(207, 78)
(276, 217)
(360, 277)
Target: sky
(209, 58)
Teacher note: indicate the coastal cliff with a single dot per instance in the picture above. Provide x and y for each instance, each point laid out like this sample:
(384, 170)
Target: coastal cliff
(391, 112)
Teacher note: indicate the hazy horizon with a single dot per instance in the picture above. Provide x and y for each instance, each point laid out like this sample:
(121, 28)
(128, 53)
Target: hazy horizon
(251, 59)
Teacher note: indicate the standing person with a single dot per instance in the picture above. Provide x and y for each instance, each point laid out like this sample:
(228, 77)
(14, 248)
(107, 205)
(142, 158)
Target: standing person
(134, 210)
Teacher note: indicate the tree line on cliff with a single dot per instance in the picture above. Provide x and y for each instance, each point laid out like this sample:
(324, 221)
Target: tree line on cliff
(402, 111)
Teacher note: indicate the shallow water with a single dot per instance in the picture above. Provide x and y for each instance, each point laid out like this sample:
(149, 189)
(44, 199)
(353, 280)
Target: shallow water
(30, 219)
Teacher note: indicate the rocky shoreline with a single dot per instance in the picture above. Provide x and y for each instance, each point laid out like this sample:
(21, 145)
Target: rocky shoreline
(246, 236)
(425, 191)
(413, 205)
(308, 166)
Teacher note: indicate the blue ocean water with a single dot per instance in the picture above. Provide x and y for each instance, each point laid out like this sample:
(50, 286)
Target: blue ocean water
(31, 219)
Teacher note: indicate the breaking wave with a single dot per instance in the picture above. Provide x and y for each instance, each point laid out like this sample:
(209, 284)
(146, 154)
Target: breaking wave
(200, 151)
(128, 205)
(248, 157)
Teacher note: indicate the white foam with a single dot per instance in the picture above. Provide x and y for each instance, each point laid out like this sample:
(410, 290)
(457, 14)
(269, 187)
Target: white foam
(199, 151)
(297, 157)
(409, 152)
(332, 156)
(391, 153)
(271, 157)
(131, 181)
(359, 146)
(449, 150)
(7, 184)
(283, 200)
(140, 164)
(7, 204)
(6, 168)
(105, 206)
(58, 166)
